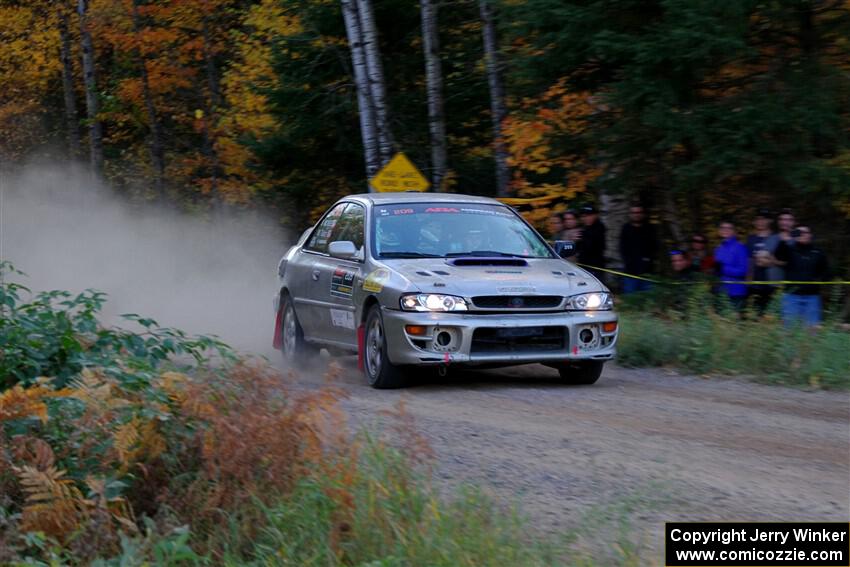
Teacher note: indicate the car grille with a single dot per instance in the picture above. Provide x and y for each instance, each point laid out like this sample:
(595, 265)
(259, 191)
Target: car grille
(517, 301)
(518, 339)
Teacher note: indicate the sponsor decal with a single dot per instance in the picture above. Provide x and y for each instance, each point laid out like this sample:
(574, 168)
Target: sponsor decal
(515, 289)
(342, 282)
(342, 318)
(441, 210)
(375, 281)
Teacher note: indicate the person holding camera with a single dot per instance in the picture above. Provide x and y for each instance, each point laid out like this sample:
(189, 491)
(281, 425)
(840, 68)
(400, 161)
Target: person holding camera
(762, 246)
(801, 303)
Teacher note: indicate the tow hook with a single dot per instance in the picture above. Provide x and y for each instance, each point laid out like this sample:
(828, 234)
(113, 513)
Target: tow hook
(442, 370)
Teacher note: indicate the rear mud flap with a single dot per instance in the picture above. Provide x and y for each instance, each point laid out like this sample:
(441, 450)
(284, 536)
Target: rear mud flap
(277, 342)
(361, 344)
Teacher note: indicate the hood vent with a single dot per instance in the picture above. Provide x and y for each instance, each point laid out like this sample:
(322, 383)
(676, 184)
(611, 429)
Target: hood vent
(487, 261)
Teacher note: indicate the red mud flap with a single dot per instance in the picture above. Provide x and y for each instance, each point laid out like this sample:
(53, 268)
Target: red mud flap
(277, 342)
(361, 344)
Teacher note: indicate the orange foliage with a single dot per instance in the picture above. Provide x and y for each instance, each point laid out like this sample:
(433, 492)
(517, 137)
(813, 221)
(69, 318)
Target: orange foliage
(19, 402)
(258, 443)
(529, 133)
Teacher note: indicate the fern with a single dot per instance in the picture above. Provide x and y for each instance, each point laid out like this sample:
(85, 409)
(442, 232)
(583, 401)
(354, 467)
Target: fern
(54, 505)
(19, 402)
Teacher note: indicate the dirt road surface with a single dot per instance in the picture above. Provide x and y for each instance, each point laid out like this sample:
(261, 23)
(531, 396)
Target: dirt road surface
(636, 449)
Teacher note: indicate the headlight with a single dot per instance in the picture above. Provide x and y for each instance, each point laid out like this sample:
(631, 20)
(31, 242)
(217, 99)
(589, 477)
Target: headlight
(432, 302)
(590, 302)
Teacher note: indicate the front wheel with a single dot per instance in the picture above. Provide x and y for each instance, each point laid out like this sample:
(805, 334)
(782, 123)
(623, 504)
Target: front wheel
(380, 372)
(581, 372)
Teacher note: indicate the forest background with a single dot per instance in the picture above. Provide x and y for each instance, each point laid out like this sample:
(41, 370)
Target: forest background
(699, 109)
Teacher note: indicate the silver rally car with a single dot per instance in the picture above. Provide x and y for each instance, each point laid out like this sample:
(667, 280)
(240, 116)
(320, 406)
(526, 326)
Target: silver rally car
(425, 279)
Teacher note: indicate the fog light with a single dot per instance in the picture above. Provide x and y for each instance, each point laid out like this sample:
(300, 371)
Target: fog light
(609, 327)
(443, 338)
(417, 330)
(585, 336)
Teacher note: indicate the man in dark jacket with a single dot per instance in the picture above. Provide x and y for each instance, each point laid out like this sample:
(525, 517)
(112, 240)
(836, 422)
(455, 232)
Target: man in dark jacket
(637, 249)
(804, 263)
(592, 249)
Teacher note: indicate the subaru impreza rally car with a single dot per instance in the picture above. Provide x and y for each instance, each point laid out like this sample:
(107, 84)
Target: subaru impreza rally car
(425, 279)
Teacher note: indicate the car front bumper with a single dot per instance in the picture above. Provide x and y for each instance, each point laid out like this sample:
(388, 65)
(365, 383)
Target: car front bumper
(504, 338)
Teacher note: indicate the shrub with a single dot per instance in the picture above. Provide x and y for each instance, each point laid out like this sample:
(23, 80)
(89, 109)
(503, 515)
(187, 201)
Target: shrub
(116, 450)
(706, 338)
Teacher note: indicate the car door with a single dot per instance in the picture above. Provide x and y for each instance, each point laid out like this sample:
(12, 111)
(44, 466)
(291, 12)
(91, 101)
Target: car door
(307, 283)
(338, 277)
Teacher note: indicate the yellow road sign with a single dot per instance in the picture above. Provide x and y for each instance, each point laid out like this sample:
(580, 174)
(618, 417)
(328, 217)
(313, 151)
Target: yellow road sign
(399, 175)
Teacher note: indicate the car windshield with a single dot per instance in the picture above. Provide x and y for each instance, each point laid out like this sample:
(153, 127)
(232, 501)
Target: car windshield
(438, 230)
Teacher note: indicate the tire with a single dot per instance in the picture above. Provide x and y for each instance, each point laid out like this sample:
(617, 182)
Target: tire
(295, 350)
(380, 372)
(581, 372)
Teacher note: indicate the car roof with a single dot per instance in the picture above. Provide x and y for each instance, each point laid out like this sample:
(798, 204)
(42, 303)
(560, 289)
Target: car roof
(417, 197)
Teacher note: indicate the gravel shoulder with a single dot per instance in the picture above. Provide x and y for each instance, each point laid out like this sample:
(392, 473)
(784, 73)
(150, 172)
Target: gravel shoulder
(641, 446)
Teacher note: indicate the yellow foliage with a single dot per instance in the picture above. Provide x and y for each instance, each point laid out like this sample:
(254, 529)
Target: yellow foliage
(246, 113)
(19, 402)
(28, 65)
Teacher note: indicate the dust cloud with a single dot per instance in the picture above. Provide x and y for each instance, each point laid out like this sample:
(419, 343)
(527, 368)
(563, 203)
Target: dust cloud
(210, 274)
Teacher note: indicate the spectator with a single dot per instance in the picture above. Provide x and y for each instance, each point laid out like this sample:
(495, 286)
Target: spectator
(592, 249)
(572, 231)
(803, 262)
(731, 263)
(683, 270)
(701, 260)
(637, 249)
(554, 226)
(786, 222)
(762, 247)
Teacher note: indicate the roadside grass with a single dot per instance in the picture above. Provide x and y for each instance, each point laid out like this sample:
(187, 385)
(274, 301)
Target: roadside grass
(616, 533)
(703, 338)
(390, 515)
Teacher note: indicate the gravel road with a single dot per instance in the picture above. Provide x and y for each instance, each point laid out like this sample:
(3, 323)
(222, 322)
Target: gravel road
(640, 447)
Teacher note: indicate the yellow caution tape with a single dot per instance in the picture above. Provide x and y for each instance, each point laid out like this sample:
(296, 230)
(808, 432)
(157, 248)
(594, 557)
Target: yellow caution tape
(742, 282)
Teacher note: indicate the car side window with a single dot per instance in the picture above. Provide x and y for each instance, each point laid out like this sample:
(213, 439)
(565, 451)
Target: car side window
(322, 236)
(350, 225)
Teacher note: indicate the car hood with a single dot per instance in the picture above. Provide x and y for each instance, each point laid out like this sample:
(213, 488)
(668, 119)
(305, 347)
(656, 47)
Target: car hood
(497, 276)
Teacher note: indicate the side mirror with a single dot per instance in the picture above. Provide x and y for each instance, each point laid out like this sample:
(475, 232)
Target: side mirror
(565, 248)
(342, 249)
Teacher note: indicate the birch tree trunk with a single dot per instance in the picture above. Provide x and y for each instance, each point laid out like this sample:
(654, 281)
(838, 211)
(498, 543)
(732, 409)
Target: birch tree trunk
(155, 140)
(434, 78)
(377, 86)
(72, 123)
(90, 80)
(368, 129)
(497, 95)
